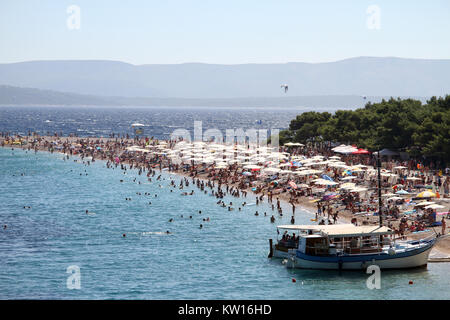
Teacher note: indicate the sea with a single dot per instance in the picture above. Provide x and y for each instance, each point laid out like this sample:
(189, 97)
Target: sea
(51, 249)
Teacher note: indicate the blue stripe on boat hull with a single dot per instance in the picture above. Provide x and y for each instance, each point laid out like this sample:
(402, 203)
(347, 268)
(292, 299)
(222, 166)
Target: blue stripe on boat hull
(363, 257)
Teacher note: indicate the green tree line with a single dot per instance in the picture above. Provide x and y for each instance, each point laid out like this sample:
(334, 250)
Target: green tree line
(422, 130)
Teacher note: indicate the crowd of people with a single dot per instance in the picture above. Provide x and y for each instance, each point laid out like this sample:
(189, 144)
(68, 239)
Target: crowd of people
(347, 189)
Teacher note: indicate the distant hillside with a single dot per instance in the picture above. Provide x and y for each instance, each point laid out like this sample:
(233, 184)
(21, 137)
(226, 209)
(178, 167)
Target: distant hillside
(364, 76)
(30, 96)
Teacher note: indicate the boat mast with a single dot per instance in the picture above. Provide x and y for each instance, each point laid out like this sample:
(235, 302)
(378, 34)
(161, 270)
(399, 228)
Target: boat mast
(379, 188)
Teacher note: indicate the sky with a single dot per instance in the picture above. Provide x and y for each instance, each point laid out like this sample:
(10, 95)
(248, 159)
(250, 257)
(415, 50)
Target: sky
(222, 32)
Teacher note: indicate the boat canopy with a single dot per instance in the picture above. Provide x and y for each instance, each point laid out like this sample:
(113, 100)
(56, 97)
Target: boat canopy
(313, 227)
(357, 231)
(341, 230)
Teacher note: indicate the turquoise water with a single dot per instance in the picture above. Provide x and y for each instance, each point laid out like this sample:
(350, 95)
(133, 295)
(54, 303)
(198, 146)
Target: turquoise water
(227, 259)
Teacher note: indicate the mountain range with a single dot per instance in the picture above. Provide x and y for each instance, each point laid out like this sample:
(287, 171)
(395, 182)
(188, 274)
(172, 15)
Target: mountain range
(357, 77)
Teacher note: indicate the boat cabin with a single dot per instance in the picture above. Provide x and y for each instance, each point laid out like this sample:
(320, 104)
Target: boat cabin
(345, 239)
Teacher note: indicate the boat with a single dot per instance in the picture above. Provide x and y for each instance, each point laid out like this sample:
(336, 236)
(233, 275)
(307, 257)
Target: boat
(350, 247)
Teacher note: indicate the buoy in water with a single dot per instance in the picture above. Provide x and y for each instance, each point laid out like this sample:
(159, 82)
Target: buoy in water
(411, 282)
(124, 235)
(293, 280)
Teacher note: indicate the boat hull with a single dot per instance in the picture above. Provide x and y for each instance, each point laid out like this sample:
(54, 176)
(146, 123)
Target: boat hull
(408, 259)
(277, 253)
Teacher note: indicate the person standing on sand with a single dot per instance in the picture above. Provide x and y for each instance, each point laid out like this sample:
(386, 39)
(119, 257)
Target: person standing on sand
(443, 225)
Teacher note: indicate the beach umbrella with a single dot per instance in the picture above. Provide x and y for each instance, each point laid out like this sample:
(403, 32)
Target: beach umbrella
(394, 199)
(272, 170)
(252, 167)
(361, 151)
(425, 203)
(324, 176)
(329, 197)
(348, 185)
(292, 184)
(402, 192)
(388, 194)
(426, 194)
(287, 164)
(326, 182)
(346, 150)
(246, 173)
(434, 206)
(358, 189)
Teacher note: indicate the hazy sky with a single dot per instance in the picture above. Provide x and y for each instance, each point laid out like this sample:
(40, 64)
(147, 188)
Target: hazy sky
(226, 31)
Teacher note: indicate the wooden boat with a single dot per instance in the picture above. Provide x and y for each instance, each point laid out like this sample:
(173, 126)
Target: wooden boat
(349, 247)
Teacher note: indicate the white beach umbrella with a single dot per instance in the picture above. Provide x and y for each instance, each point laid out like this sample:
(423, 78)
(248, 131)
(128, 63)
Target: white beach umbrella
(272, 170)
(393, 198)
(425, 203)
(388, 194)
(358, 189)
(435, 206)
(252, 166)
(348, 185)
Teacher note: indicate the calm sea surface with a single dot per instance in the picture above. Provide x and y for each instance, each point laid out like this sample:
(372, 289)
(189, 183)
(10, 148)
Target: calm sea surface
(227, 259)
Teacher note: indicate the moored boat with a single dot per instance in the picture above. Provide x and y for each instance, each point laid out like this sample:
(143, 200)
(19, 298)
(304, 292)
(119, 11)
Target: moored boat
(349, 247)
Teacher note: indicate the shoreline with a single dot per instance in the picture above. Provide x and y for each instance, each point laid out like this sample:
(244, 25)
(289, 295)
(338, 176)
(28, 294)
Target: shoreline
(441, 249)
